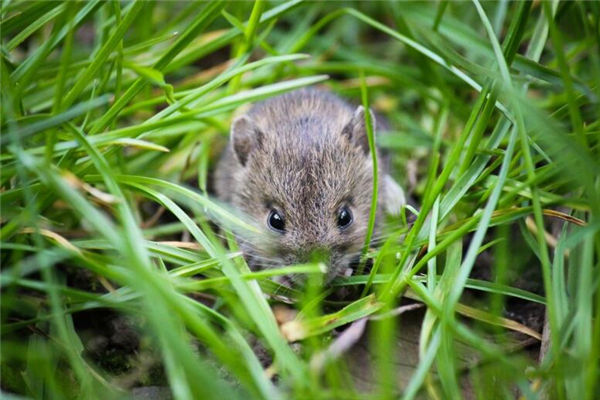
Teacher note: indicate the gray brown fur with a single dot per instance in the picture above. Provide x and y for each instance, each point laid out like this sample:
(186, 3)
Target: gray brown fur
(305, 154)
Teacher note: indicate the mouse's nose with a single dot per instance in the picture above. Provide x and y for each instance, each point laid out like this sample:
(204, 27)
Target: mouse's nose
(312, 254)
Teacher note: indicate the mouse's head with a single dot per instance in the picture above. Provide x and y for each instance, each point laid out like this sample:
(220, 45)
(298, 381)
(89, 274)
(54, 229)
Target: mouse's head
(307, 179)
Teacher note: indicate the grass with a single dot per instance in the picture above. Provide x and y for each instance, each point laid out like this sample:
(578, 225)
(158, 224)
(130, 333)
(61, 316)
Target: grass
(114, 113)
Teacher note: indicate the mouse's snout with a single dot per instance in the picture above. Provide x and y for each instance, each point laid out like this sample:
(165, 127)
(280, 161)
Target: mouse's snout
(312, 254)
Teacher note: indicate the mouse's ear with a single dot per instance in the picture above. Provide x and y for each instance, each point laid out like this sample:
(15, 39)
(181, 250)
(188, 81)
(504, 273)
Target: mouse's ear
(356, 129)
(245, 138)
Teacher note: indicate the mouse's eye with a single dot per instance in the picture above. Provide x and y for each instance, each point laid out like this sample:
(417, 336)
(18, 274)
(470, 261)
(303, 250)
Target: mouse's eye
(276, 221)
(344, 218)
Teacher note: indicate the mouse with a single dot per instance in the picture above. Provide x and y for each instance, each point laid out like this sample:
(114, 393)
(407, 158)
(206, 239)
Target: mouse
(299, 166)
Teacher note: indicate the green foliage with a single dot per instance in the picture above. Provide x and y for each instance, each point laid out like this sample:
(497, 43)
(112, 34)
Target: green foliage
(114, 113)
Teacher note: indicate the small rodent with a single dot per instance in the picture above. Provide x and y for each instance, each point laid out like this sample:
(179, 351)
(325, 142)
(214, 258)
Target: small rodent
(299, 165)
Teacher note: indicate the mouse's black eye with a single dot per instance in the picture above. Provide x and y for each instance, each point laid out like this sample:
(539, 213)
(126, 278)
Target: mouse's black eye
(276, 221)
(344, 218)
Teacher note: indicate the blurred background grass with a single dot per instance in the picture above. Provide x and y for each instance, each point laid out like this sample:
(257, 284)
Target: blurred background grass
(114, 276)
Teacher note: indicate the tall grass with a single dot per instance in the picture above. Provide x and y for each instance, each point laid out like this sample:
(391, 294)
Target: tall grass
(113, 115)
